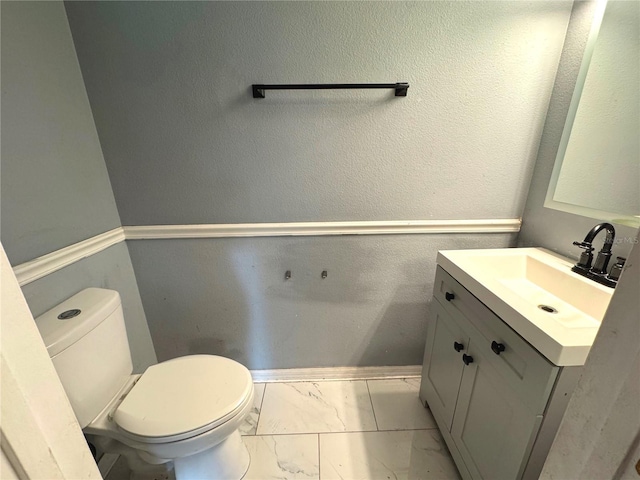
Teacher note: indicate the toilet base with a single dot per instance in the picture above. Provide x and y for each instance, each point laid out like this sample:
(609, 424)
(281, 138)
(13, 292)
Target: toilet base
(228, 460)
(137, 468)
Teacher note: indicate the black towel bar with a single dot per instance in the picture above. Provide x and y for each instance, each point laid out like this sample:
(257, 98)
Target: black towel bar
(400, 88)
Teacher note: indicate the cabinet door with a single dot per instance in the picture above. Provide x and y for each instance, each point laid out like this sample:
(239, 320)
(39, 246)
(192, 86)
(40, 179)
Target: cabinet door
(493, 427)
(442, 369)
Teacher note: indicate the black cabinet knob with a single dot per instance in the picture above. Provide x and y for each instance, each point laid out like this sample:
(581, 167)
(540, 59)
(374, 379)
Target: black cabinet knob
(458, 346)
(467, 359)
(449, 296)
(497, 348)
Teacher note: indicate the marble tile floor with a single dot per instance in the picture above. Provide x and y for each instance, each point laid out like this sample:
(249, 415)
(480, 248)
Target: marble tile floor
(348, 430)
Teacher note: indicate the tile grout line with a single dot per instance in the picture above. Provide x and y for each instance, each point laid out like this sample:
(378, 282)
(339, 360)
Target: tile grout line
(319, 472)
(264, 394)
(372, 407)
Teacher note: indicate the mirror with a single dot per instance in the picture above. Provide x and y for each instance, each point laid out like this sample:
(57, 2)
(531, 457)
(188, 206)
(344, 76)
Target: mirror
(597, 169)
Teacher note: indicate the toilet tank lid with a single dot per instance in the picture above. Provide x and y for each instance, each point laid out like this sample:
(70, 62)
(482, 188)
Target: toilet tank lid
(80, 314)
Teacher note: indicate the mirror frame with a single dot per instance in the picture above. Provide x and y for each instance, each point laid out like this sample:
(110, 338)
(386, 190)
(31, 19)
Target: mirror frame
(549, 202)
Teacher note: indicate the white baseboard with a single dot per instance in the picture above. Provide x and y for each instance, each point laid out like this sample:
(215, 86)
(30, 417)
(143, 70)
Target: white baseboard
(335, 373)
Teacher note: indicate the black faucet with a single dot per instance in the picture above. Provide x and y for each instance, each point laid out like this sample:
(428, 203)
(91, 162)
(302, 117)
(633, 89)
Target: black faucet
(597, 271)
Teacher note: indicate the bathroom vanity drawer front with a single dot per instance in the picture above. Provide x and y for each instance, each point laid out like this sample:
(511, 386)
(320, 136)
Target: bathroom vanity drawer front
(521, 365)
(460, 303)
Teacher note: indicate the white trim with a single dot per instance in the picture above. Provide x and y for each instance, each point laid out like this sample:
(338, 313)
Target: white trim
(150, 232)
(335, 373)
(39, 432)
(47, 264)
(51, 262)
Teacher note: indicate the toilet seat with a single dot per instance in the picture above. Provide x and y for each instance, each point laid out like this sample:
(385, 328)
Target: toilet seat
(184, 397)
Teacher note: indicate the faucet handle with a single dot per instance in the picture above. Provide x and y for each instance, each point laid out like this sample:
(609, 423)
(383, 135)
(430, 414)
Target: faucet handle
(616, 270)
(586, 258)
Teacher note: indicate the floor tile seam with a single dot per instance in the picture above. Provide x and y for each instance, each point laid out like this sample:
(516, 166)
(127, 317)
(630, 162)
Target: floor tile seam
(264, 394)
(373, 409)
(319, 457)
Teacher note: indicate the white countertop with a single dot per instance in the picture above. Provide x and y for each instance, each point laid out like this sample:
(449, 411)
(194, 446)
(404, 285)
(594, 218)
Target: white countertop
(512, 282)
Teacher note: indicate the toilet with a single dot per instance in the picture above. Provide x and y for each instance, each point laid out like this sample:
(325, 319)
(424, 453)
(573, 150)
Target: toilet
(183, 412)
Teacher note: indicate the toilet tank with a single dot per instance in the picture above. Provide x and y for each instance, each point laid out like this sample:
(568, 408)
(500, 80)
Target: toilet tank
(87, 342)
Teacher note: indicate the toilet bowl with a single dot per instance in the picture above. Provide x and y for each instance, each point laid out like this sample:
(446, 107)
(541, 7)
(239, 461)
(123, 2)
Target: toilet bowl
(183, 407)
(185, 411)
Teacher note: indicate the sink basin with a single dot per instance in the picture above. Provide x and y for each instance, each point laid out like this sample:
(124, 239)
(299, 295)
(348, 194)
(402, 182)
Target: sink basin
(535, 292)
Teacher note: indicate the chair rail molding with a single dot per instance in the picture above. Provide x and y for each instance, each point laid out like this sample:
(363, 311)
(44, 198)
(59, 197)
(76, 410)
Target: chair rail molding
(39, 267)
(51, 262)
(295, 229)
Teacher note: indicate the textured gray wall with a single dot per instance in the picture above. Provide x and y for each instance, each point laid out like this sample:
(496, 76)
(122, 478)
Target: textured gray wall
(229, 297)
(184, 142)
(111, 269)
(55, 187)
(169, 85)
(547, 227)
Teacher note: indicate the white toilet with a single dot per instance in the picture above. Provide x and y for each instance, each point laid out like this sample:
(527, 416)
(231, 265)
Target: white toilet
(186, 410)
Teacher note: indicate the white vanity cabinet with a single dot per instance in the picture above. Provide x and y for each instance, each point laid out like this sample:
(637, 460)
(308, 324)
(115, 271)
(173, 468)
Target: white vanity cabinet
(496, 399)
